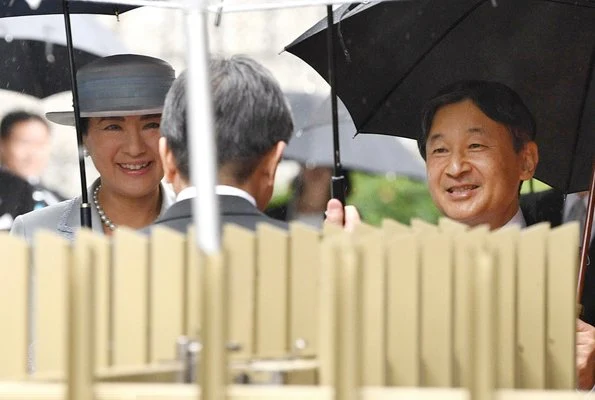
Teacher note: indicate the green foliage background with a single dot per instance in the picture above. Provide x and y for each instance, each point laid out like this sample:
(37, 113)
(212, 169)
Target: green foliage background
(399, 198)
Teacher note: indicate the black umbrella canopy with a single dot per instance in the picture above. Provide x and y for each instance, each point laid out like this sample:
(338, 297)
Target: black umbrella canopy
(393, 56)
(312, 143)
(34, 53)
(26, 69)
(14, 8)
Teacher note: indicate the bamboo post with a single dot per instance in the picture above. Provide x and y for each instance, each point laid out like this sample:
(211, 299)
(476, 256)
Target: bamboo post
(213, 360)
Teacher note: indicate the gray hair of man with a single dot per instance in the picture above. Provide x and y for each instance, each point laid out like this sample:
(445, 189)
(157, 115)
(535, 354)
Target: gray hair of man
(251, 115)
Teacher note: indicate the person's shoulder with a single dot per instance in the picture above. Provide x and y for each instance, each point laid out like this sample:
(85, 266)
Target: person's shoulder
(547, 205)
(47, 217)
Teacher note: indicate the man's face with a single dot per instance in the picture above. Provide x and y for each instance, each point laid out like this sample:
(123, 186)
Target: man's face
(26, 151)
(473, 170)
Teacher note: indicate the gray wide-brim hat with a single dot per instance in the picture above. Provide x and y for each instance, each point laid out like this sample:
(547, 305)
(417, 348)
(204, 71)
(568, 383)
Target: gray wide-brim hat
(120, 85)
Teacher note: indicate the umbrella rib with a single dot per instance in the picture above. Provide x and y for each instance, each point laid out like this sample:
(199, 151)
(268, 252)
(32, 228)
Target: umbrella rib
(418, 61)
(581, 116)
(569, 3)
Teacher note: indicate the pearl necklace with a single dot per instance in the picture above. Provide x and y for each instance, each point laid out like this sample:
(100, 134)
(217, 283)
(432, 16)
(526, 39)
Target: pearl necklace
(104, 218)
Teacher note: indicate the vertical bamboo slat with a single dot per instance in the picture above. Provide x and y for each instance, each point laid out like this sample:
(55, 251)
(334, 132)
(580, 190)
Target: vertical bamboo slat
(503, 243)
(349, 360)
(391, 227)
(272, 330)
(14, 277)
(213, 379)
(168, 259)
(51, 255)
(192, 291)
(531, 314)
(130, 311)
(562, 270)
(448, 225)
(436, 310)
(240, 257)
(327, 323)
(421, 226)
(80, 364)
(484, 320)
(304, 280)
(464, 273)
(102, 290)
(373, 314)
(403, 311)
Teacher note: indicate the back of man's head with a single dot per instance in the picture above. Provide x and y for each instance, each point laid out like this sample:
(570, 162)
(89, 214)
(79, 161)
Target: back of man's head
(250, 116)
(496, 100)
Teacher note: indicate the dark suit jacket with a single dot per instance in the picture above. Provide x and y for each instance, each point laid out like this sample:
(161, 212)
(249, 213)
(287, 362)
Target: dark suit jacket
(549, 206)
(233, 209)
(16, 195)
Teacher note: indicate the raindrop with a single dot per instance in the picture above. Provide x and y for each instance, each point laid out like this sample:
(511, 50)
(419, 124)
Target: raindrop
(9, 38)
(33, 4)
(407, 36)
(299, 133)
(51, 58)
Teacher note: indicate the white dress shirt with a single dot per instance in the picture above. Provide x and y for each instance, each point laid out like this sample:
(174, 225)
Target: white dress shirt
(517, 220)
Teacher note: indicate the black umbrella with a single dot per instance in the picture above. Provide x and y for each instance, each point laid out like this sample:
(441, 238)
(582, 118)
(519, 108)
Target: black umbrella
(393, 56)
(35, 56)
(13, 8)
(311, 143)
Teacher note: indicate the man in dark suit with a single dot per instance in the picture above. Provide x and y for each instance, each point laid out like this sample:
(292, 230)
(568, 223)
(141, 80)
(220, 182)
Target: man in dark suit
(16, 198)
(252, 126)
(477, 139)
(554, 207)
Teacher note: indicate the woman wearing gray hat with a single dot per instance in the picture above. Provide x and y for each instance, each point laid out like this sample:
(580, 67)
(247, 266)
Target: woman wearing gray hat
(121, 98)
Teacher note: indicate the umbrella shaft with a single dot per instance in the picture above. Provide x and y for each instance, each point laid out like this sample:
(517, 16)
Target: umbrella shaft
(85, 209)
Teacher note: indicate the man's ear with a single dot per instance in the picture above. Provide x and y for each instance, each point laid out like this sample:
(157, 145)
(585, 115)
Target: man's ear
(167, 160)
(272, 161)
(530, 158)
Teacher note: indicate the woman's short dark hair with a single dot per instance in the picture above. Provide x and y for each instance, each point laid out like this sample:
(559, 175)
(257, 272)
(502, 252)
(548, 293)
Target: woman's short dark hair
(496, 100)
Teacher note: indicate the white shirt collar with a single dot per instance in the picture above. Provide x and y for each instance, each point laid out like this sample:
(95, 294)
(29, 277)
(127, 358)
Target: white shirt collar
(517, 220)
(189, 192)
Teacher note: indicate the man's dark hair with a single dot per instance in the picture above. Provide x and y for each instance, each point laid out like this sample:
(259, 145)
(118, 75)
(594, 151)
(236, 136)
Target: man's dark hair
(16, 117)
(250, 115)
(496, 100)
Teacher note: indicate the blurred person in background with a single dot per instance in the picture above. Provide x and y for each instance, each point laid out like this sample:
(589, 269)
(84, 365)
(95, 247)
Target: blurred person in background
(309, 193)
(25, 147)
(16, 198)
(121, 98)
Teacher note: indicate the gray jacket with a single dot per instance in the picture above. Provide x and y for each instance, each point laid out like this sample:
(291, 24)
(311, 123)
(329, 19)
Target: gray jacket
(64, 218)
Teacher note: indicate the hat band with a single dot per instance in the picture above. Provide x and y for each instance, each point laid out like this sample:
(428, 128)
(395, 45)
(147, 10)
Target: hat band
(126, 95)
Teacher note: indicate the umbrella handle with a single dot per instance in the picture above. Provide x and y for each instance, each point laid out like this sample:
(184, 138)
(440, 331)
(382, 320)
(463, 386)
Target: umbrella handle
(586, 240)
(338, 188)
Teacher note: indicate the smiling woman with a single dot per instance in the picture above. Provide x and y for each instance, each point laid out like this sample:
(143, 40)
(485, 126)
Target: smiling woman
(121, 99)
